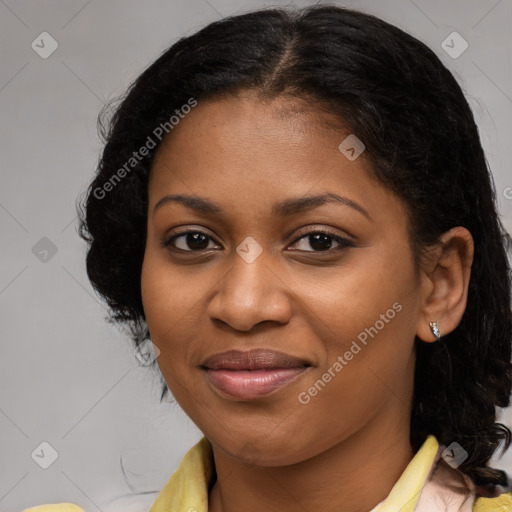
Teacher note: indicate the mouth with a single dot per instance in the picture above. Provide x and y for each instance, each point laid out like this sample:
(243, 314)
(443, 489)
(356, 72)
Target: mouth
(252, 384)
(253, 374)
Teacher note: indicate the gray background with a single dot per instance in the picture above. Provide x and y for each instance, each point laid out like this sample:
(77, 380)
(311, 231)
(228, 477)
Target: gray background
(67, 377)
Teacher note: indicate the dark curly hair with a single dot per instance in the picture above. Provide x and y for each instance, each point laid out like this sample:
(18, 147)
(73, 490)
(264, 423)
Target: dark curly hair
(423, 142)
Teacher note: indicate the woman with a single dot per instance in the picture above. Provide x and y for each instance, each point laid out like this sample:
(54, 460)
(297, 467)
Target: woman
(294, 206)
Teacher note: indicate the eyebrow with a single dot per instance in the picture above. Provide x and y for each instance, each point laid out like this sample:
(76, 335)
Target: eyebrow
(292, 206)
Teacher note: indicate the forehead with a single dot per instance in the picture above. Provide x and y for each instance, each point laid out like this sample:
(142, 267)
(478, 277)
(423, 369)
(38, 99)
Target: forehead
(273, 132)
(247, 114)
(248, 150)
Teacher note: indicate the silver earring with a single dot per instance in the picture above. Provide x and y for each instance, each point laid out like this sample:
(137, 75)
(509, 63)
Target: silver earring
(435, 330)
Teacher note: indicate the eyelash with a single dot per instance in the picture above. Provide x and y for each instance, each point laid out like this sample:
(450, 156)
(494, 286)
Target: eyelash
(343, 242)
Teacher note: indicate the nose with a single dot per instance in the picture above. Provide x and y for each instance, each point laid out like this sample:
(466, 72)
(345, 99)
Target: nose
(250, 294)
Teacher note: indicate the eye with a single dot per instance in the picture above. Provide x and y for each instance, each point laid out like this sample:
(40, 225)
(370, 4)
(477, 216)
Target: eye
(189, 241)
(318, 241)
(322, 241)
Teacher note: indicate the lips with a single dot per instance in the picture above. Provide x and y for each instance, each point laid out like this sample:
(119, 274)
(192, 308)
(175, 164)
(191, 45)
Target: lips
(253, 374)
(257, 359)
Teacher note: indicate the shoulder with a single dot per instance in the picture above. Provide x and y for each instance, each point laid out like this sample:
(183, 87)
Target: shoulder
(502, 503)
(449, 490)
(55, 507)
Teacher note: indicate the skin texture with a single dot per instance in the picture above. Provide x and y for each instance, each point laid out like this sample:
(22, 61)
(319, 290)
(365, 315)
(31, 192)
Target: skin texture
(346, 448)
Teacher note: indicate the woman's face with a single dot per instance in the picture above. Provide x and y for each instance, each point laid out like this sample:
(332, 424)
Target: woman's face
(330, 282)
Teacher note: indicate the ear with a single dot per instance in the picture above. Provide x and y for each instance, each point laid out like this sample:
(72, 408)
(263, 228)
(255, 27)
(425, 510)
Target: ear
(445, 283)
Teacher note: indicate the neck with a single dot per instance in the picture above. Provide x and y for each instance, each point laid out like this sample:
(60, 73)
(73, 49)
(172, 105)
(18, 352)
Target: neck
(354, 475)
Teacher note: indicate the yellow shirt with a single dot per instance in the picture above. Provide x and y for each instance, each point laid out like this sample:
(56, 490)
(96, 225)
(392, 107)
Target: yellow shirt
(415, 491)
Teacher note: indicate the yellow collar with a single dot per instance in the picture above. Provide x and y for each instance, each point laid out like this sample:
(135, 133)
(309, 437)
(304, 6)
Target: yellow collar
(187, 489)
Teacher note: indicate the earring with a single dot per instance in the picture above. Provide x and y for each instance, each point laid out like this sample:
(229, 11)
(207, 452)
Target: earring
(435, 330)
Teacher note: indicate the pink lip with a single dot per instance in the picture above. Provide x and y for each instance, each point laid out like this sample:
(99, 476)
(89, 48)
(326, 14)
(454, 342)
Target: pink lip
(256, 359)
(252, 384)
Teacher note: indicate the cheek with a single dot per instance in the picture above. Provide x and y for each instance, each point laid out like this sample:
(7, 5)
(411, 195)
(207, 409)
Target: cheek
(374, 290)
(166, 294)
(369, 366)
(366, 325)
(165, 309)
